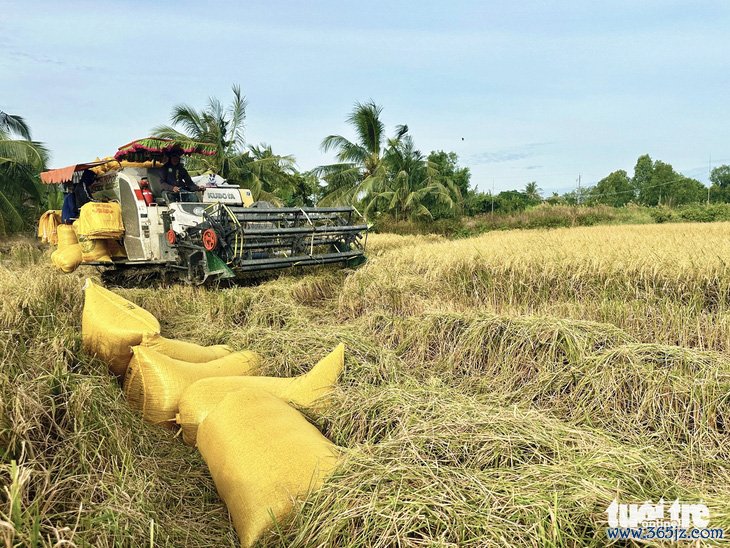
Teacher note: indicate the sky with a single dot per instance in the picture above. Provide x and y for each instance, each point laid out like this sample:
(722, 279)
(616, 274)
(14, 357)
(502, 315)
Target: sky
(543, 91)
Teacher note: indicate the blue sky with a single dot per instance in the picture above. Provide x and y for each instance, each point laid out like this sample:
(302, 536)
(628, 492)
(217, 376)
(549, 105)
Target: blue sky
(521, 91)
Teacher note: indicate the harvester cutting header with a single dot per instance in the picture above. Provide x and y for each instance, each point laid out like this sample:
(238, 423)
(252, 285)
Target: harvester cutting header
(139, 213)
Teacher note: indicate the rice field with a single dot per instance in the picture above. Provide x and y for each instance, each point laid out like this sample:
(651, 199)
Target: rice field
(501, 390)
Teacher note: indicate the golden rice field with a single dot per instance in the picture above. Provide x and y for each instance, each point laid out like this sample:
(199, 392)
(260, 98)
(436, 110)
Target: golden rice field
(501, 390)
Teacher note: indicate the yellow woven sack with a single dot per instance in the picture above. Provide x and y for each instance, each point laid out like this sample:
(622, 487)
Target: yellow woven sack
(42, 228)
(94, 251)
(47, 226)
(111, 325)
(262, 454)
(100, 220)
(183, 350)
(308, 390)
(155, 382)
(66, 236)
(67, 258)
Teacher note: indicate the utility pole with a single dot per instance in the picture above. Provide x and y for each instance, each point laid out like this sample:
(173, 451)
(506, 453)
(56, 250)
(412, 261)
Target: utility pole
(709, 173)
(579, 188)
(492, 196)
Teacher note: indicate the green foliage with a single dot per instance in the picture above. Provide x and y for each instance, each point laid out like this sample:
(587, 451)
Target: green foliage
(447, 166)
(406, 183)
(269, 176)
(662, 214)
(545, 215)
(450, 175)
(533, 193)
(390, 176)
(720, 189)
(215, 124)
(720, 176)
(476, 202)
(642, 173)
(359, 162)
(21, 161)
(506, 202)
(512, 201)
(696, 213)
(701, 213)
(614, 190)
(658, 183)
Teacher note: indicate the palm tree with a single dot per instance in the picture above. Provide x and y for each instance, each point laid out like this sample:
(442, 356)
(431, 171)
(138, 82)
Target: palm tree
(21, 160)
(10, 123)
(255, 167)
(216, 124)
(409, 183)
(532, 192)
(267, 175)
(359, 161)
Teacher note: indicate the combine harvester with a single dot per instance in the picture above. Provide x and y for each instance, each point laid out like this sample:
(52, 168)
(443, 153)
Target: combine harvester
(211, 235)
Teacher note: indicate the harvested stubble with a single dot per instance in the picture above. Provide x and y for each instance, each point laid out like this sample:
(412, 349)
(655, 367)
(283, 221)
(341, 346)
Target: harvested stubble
(511, 348)
(585, 372)
(447, 470)
(79, 467)
(440, 453)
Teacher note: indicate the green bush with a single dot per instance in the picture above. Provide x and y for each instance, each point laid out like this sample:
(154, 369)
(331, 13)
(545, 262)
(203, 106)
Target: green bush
(547, 215)
(704, 213)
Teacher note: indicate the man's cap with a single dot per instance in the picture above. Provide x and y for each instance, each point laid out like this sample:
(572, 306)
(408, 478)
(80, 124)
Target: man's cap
(175, 151)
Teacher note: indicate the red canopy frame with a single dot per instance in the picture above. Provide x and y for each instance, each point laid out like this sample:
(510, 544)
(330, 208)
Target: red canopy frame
(65, 174)
(151, 148)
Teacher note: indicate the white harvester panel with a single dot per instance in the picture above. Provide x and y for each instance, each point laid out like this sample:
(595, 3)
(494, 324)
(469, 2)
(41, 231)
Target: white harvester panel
(230, 196)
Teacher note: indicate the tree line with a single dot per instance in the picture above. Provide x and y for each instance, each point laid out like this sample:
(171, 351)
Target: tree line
(380, 174)
(384, 174)
(653, 183)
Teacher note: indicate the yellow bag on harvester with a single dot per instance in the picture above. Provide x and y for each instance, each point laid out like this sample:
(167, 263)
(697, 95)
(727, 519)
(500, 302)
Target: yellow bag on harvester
(47, 226)
(262, 454)
(308, 390)
(183, 350)
(111, 325)
(100, 220)
(154, 382)
(66, 236)
(94, 251)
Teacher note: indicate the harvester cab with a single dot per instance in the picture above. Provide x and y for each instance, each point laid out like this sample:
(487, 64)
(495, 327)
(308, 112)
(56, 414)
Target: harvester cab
(220, 232)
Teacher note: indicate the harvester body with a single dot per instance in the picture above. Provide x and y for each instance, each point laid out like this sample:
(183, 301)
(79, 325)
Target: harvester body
(221, 232)
(216, 233)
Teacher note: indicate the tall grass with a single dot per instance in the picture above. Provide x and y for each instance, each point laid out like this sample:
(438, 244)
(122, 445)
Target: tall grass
(668, 284)
(498, 391)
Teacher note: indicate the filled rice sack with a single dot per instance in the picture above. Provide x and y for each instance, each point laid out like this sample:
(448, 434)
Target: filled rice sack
(308, 390)
(100, 220)
(68, 258)
(155, 382)
(262, 454)
(66, 236)
(111, 325)
(48, 226)
(183, 350)
(94, 251)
